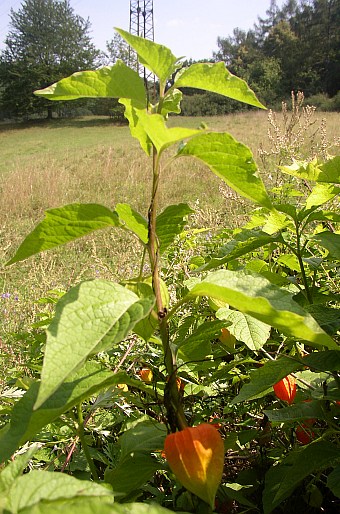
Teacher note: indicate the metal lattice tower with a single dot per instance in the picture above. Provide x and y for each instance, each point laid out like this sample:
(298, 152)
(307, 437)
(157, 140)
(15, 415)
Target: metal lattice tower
(141, 24)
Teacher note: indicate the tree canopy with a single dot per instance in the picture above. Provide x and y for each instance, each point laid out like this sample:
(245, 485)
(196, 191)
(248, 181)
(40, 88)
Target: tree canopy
(46, 42)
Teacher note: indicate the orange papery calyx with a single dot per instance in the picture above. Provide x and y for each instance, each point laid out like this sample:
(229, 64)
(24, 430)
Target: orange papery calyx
(285, 389)
(196, 457)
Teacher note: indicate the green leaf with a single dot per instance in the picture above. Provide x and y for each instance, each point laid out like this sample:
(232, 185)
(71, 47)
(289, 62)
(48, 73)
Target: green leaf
(117, 81)
(26, 423)
(290, 261)
(89, 318)
(64, 224)
(301, 411)
(161, 136)
(282, 480)
(245, 242)
(250, 331)
(328, 360)
(321, 193)
(172, 102)
(276, 221)
(36, 486)
(144, 437)
(90, 505)
(330, 241)
(328, 172)
(333, 481)
(198, 345)
(231, 161)
(15, 468)
(132, 472)
(133, 221)
(262, 379)
(217, 79)
(170, 223)
(132, 115)
(157, 58)
(253, 294)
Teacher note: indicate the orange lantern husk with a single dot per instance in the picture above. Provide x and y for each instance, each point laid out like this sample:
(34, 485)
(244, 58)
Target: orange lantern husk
(196, 457)
(285, 389)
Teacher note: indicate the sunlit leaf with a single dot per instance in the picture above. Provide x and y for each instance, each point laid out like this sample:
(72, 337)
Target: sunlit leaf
(170, 223)
(157, 58)
(231, 161)
(252, 294)
(65, 224)
(217, 79)
(131, 113)
(117, 81)
(133, 221)
(91, 317)
(250, 331)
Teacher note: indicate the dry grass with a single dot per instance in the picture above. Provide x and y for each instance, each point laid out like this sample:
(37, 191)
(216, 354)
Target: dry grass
(89, 160)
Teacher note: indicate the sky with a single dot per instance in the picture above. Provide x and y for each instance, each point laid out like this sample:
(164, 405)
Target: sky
(188, 27)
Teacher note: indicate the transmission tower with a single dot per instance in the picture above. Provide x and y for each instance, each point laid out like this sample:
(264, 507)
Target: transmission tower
(141, 24)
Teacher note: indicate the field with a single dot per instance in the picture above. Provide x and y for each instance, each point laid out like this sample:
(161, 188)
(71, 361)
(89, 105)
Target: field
(45, 165)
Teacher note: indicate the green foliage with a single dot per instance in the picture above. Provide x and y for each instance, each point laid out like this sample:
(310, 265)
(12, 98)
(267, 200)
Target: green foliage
(213, 343)
(47, 41)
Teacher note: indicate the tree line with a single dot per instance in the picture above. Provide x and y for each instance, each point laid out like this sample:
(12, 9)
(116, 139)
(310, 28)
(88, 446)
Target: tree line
(295, 47)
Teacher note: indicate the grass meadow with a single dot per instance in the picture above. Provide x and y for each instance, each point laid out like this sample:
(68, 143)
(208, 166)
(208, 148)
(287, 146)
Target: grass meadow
(49, 164)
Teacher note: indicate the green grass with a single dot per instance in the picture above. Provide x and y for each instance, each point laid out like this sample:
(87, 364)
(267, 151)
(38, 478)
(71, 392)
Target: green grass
(49, 164)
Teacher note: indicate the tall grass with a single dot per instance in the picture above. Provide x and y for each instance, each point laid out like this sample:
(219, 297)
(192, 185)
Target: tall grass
(45, 165)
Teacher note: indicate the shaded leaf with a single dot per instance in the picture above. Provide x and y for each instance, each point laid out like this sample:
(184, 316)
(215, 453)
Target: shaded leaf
(170, 223)
(198, 345)
(282, 480)
(26, 423)
(330, 241)
(262, 379)
(300, 411)
(333, 481)
(133, 221)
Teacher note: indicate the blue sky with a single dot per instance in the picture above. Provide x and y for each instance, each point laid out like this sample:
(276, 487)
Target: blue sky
(188, 27)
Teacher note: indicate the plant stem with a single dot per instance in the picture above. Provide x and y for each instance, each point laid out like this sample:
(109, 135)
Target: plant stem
(84, 444)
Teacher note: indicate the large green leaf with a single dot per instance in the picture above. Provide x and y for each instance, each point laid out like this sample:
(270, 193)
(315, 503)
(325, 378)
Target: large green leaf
(253, 294)
(144, 437)
(131, 113)
(323, 361)
(160, 135)
(90, 505)
(63, 225)
(117, 81)
(26, 422)
(216, 78)
(89, 318)
(133, 221)
(282, 480)
(300, 411)
(15, 468)
(231, 161)
(321, 193)
(157, 58)
(327, 172)
(330, 241)
(245, 242)
(170, 223)
(333, 481)
(36, 486)
(250, 331)
(262, 379)
(198, 345)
